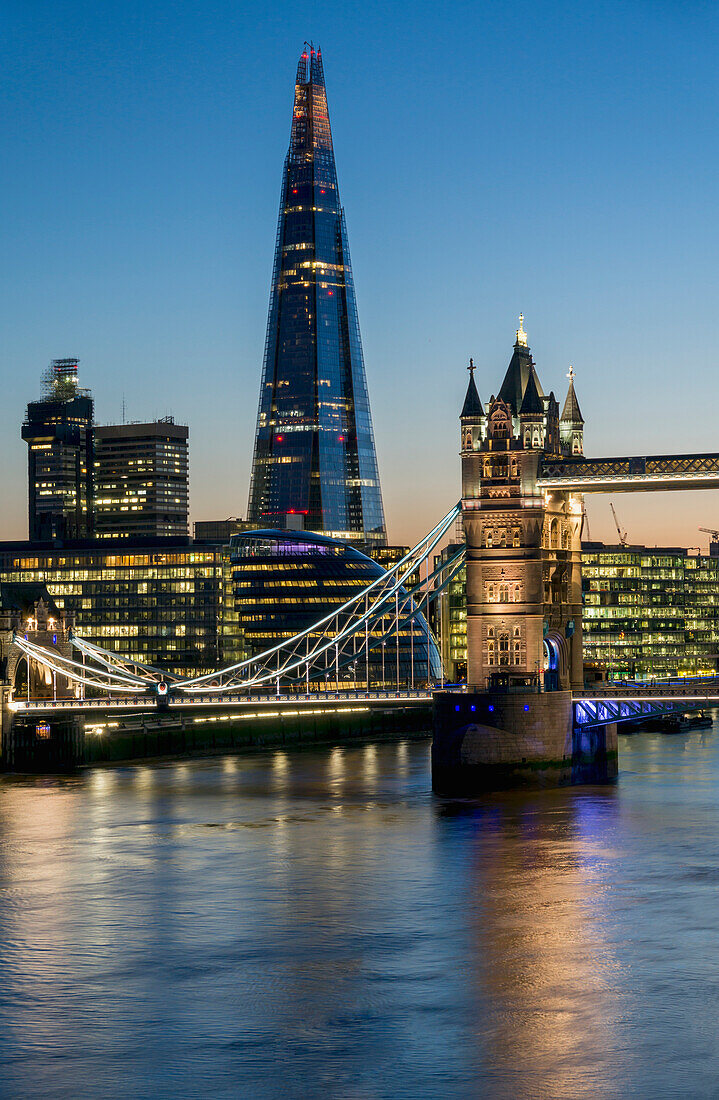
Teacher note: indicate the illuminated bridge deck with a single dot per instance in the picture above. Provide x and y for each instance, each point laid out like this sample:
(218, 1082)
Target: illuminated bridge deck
(658, 472)
(284, 702)
(628, 702)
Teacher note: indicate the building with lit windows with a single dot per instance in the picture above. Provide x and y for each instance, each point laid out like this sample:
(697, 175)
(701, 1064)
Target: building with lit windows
(190, 607)
(647, 612)
(314, 463)
(650, 611)
(283, 581)
(141, 480)
(161, 602)
(449, 618)
(58, 432)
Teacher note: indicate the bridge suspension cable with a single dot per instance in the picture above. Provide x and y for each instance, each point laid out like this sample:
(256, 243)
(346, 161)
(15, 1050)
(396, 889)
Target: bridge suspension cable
(377, 612)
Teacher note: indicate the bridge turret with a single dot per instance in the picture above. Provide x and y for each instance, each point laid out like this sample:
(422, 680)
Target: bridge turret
(472, 417)
(521, 365)
(571, 424)
(531, 416)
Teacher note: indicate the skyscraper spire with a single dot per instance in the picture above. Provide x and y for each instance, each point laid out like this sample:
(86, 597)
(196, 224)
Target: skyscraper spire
(314, 446)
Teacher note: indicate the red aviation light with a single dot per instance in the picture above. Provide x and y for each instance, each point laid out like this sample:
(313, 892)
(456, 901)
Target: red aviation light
(330, 292)
(341, 438)
(279, 438)
(294, 190)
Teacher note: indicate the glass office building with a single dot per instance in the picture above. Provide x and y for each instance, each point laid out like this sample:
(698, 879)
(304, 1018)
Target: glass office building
(648, 612)
(193, 607)
(141, 480)
(59, 435)
(160, 603)
(314, 454)
(283, 581)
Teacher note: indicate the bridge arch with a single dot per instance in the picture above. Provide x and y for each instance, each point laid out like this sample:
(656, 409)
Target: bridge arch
(556, 661)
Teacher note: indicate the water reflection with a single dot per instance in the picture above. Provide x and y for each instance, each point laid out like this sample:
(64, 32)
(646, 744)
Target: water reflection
(546, 973)
(241, 925)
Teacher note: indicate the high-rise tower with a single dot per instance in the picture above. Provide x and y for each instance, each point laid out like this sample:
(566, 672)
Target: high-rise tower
(141, 475)
(58, 432)
(314, 446)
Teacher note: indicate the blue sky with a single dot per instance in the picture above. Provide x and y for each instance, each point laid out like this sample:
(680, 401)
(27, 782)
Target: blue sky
(555, 158)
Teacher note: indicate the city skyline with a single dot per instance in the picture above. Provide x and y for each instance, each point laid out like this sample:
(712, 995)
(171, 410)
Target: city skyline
(125, 253)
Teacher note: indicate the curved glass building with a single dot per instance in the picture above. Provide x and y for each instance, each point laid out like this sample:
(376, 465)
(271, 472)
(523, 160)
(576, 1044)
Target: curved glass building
(283, 581)
(314, 446)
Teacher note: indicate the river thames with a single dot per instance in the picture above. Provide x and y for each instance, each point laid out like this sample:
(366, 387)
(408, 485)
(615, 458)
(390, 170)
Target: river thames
(317, 924)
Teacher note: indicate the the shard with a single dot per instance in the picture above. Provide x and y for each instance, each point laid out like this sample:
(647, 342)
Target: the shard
(314, 461)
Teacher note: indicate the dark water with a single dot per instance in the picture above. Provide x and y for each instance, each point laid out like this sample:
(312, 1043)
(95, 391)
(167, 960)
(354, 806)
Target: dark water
(317, 925)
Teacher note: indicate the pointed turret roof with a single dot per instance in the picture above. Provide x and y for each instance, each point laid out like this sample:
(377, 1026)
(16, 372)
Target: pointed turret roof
(532, 404)
(518, 372)
(472, 405)
(571, 411)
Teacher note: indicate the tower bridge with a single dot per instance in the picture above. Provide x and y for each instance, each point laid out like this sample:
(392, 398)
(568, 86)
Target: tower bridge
(525, 712)
(527, 715)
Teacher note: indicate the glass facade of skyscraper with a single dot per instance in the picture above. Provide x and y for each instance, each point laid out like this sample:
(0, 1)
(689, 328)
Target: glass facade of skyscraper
(284, 581)
(314, 448)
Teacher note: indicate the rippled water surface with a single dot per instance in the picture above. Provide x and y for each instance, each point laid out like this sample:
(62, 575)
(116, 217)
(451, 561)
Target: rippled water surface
(318, 925)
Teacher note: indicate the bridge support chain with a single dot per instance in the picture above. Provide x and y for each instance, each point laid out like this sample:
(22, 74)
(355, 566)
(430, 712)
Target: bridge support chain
(496, 740)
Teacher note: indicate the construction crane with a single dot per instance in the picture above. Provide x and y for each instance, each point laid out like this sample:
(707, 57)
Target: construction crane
(714, 543)
(622, 534)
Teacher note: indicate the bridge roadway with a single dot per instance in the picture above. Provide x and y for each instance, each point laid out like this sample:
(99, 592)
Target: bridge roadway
(204, 702)
(605, 703)
(623, 701)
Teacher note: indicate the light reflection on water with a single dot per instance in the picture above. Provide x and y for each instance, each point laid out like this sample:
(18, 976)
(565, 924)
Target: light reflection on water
(316, 924)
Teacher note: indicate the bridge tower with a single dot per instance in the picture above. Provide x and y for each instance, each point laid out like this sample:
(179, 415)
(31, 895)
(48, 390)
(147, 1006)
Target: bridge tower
(524, 594)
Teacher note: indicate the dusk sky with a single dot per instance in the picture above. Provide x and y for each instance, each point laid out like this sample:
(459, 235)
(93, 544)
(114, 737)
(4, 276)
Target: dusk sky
(555, 158)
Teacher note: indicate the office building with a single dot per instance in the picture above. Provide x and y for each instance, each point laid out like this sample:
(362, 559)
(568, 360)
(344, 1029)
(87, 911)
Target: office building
(218, 530)
(648, 612)
(283, 581)
(141, 480)
(189, 607)
(158, 602)
(314, 464)
(58, 432)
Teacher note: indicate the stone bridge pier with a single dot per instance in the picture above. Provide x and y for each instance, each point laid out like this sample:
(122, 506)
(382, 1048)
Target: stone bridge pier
(29, 745)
